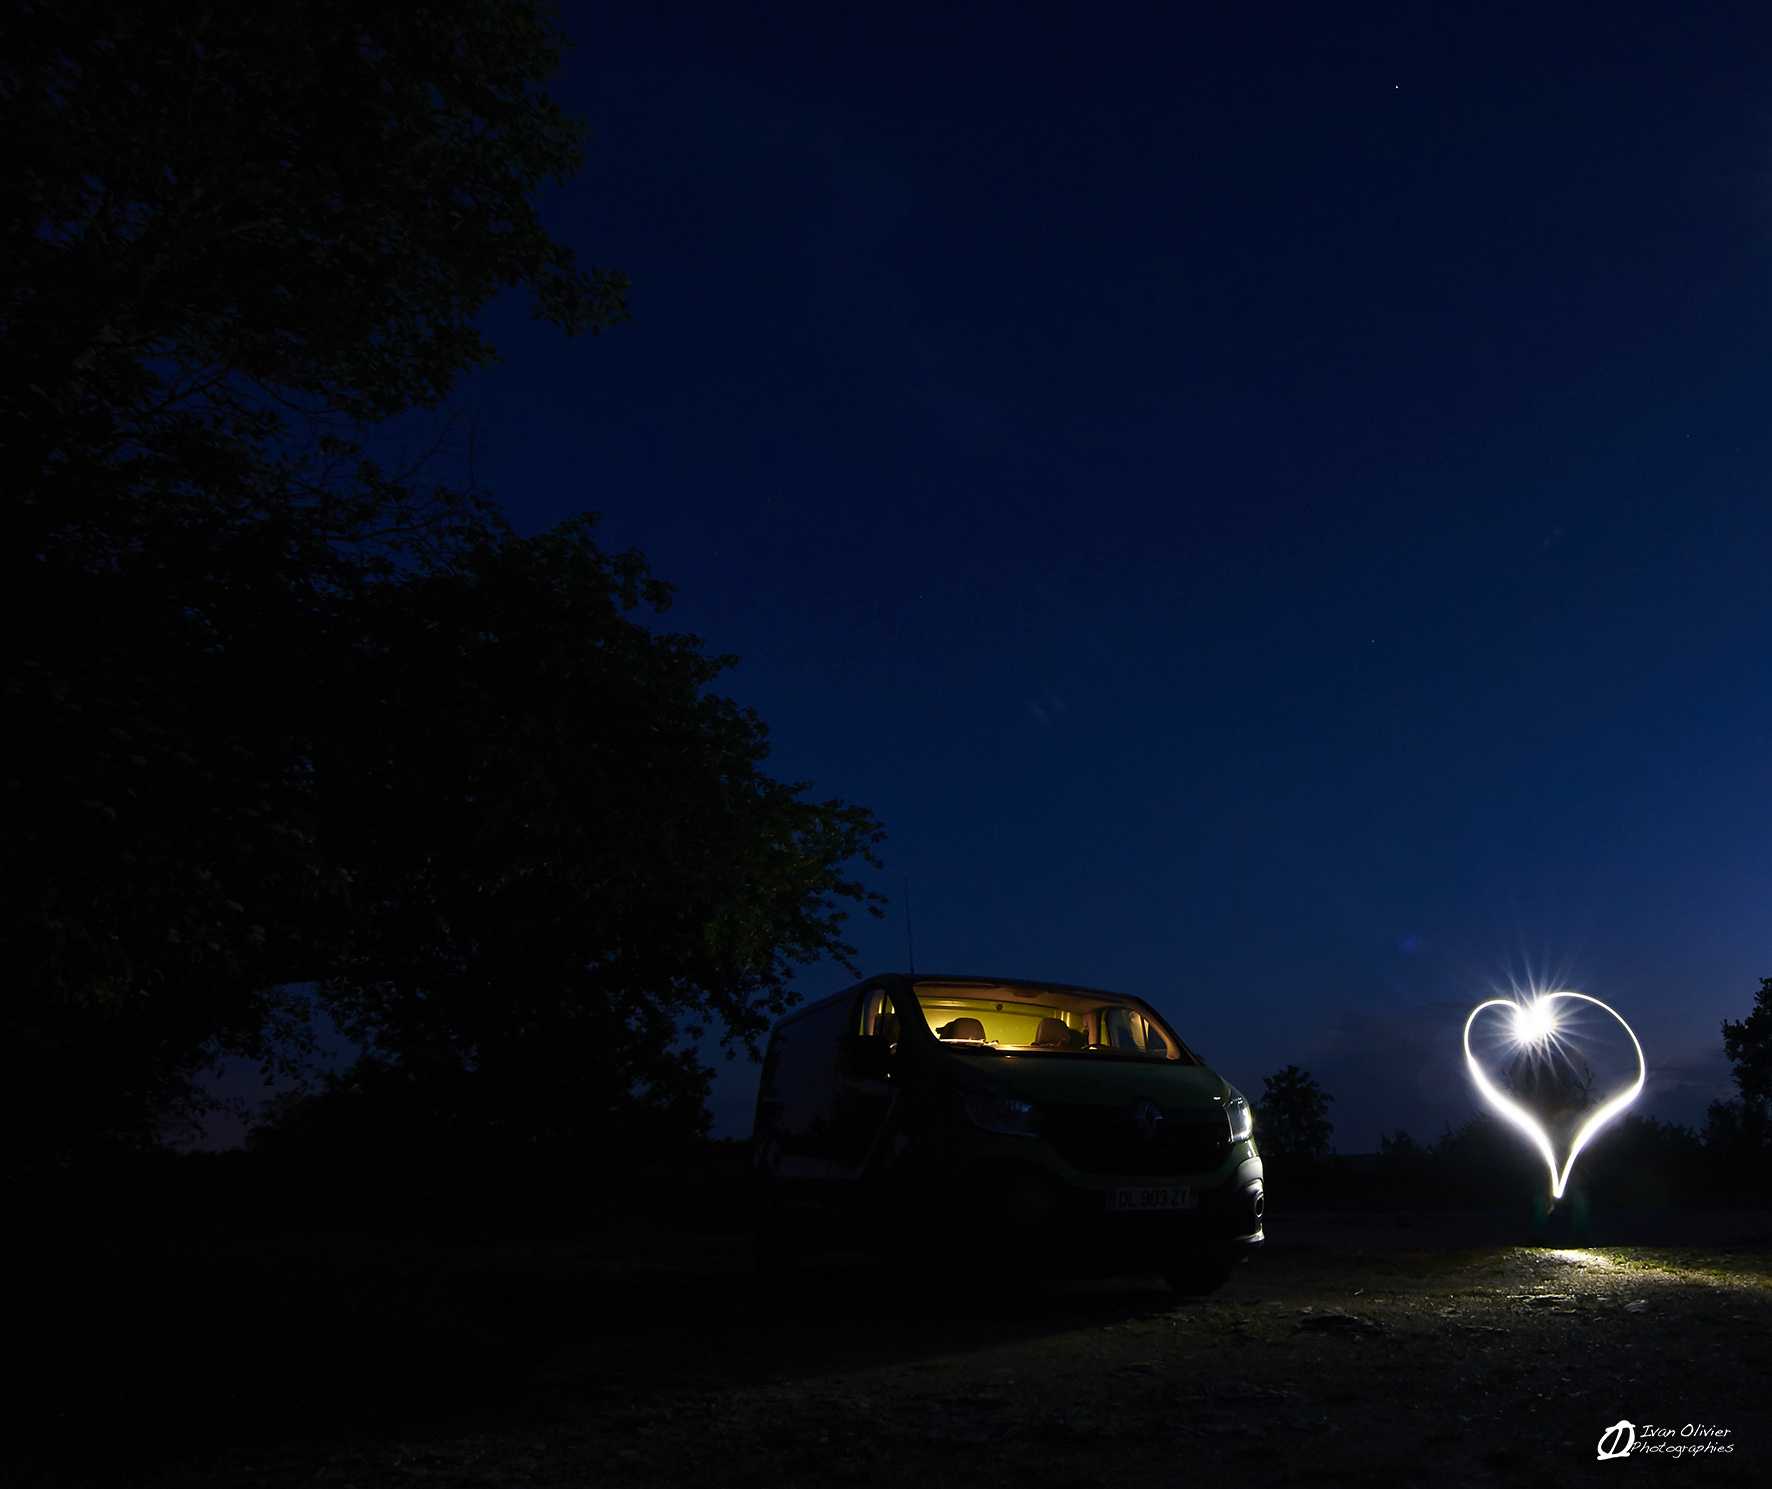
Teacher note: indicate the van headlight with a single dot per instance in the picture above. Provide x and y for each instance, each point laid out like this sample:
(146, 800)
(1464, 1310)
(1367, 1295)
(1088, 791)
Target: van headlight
(1008, 1114)
(1236, 1108)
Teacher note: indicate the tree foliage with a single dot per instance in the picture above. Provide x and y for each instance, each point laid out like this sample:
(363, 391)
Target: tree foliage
(1738, 1132)
(1292, 1118)
(1635, 1161)
(1748, 1044)
(570, 851)
(289, 711)
(232, 235)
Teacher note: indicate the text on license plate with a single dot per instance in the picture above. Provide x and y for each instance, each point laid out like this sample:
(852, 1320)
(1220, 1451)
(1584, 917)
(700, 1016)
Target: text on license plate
(1139, 1198)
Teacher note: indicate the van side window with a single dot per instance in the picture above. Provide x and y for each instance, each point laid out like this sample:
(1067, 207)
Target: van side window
(878, 1016)
(1125, 1029)
(801, 1066)
(795, 1121)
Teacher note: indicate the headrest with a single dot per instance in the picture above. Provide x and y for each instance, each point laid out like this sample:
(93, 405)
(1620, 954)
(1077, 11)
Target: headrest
(962, 1029)
(1052, 1031)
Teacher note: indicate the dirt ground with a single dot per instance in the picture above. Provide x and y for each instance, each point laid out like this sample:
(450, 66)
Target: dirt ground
(1368, 1353)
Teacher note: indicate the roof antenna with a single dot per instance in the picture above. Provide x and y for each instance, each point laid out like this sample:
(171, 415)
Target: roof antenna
(910, 944)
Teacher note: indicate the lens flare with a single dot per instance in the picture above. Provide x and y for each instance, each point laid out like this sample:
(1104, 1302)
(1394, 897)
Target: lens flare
(1535, 1023)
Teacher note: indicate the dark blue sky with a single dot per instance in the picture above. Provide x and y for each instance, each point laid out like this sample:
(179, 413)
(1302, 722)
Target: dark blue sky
(1268, 503)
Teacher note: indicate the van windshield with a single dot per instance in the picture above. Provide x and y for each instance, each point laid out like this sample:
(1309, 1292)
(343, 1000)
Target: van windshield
(1045, 1021)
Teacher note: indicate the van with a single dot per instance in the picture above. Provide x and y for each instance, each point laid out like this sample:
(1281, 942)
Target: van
(1065, 1130)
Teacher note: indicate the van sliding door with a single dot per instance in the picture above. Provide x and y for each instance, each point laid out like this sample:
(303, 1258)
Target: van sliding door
(800, 1076)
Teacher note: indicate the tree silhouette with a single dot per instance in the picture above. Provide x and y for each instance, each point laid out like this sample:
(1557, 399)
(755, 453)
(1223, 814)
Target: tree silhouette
(1738, 1132)
(1748, 1044)
(1291, 1120)
(232, 240)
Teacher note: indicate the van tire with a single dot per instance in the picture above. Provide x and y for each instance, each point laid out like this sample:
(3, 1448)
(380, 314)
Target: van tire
(771, 1256)
(916, 1242)
(775, 1249)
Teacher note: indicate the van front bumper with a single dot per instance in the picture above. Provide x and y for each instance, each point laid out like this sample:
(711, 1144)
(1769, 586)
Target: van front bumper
(1029, 1211)
(1226, 1217)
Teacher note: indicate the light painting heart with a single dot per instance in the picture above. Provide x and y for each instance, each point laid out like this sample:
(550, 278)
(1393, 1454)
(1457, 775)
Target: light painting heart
(1535, 1023)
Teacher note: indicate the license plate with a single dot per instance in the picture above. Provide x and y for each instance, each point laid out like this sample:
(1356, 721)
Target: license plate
(1140, 1198)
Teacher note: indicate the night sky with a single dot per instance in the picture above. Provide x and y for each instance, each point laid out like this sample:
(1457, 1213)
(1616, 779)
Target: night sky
(1266, 502)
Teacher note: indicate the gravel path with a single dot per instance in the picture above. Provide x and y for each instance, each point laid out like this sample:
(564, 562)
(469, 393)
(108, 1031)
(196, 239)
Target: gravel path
(1382, 1364)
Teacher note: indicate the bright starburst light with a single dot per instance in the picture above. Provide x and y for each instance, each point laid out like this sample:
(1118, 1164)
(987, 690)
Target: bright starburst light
(1535, 1023)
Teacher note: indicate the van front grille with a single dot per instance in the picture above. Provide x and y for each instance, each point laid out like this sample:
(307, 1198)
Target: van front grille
(1122, 1140)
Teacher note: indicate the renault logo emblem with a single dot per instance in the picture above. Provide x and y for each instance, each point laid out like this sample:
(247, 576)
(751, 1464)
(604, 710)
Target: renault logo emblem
(1146, 1115)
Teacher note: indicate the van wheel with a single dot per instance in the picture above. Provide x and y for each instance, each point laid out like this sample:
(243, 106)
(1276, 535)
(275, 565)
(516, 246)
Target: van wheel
(771, 1255)
(915, 1244)
(1196, 1279)
(775, 1249)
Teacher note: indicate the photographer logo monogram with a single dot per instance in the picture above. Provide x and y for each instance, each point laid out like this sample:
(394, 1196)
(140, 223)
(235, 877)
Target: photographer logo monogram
(1623, 1438)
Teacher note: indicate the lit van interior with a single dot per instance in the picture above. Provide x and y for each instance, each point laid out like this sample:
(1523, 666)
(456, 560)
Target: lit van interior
(1043, 1021)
